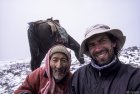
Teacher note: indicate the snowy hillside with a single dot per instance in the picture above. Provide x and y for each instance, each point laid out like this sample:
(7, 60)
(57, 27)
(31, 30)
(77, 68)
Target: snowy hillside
(131, 56)
(14, 72)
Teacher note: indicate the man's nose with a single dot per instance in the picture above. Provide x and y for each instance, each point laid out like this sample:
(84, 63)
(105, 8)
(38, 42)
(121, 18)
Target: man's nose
(58, 65)
(97, 47)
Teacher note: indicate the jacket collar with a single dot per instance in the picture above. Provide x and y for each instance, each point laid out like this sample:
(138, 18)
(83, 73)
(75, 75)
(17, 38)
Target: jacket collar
(112, 67)
(102, 67)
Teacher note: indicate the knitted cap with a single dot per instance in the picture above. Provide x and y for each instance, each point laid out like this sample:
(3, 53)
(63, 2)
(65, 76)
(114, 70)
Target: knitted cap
(59, 49)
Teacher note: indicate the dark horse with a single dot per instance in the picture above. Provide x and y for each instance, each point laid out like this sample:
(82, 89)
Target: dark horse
(43, 34)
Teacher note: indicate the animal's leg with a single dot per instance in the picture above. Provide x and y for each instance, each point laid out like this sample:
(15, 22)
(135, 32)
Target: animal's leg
(74, 45)
(34, 48)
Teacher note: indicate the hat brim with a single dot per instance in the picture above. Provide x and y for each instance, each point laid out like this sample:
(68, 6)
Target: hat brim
(115, 32)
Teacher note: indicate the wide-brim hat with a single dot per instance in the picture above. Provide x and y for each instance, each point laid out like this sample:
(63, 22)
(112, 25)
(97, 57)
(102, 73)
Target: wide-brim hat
(98, 29)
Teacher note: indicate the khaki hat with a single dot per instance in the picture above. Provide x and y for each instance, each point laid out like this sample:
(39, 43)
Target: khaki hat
(98, 29)
(59, 49)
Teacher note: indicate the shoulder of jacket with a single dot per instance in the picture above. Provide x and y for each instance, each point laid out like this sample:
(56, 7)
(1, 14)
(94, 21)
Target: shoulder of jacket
(130, 70)
(82, 69)
(39, 72)
(129, 67)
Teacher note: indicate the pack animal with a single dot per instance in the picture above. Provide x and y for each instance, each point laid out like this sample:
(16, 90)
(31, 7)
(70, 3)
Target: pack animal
(43, 34)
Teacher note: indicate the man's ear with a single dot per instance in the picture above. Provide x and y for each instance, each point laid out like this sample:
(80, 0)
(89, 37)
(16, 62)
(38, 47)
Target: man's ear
(70, 53)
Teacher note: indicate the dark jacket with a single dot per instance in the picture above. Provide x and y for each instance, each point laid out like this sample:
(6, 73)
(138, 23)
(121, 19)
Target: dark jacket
(117, 78)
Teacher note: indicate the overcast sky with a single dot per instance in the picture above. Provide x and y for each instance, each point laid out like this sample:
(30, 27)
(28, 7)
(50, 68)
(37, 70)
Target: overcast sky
(74, 15)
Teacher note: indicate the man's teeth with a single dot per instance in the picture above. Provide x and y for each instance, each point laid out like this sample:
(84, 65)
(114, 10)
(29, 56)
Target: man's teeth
(101, 54)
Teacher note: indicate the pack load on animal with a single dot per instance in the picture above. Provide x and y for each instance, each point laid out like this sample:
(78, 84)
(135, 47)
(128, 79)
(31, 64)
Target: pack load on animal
(43, 34)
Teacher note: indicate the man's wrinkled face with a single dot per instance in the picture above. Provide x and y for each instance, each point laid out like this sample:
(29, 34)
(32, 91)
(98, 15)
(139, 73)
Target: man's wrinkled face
(101, 48)
(59, 66)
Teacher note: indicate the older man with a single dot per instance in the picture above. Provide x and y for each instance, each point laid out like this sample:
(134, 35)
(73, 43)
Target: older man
(105, 74)
(53, 78)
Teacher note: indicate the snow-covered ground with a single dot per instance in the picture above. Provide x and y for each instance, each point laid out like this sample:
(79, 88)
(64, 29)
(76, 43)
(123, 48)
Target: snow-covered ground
(12, 73)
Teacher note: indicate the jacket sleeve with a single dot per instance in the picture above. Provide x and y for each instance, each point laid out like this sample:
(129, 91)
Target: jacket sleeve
(74, 84)
(30, 83)
(71, 87)
(134, 83)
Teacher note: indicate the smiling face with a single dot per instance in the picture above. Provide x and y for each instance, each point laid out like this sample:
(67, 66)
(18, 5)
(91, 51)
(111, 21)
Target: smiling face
(59, 66)
(101, 48)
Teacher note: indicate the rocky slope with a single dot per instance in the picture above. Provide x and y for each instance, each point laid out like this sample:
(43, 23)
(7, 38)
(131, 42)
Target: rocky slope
(14, 72)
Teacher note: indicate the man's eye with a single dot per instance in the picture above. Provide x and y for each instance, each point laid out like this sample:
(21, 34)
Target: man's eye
(103, 40)
(54, 60)
(91, 45)
(64, 60)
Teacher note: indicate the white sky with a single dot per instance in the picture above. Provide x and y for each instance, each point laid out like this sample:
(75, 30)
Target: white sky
(74, 15)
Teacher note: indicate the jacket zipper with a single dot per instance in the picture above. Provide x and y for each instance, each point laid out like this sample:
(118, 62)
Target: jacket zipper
(99, 89)
(100, 73)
